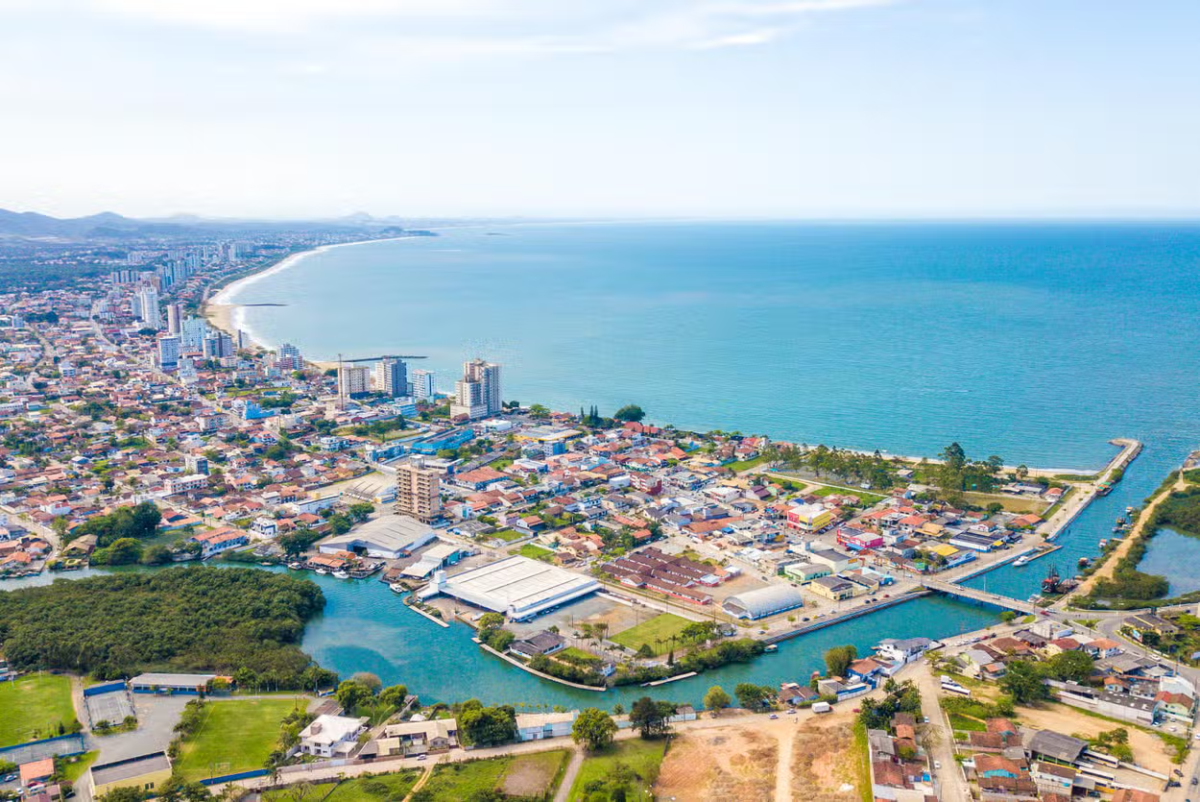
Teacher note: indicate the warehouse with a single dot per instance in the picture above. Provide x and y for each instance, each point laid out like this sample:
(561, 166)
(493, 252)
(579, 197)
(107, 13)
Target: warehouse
(760, 603)
(519, 587)
(388, 537)
(194, 684)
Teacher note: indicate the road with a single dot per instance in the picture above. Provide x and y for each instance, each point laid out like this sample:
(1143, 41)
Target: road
(939, 739)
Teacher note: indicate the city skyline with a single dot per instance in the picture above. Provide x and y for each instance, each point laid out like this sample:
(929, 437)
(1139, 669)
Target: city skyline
(819, 108)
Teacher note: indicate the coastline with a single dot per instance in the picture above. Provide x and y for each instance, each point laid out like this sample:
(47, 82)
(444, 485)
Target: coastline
(224, 314)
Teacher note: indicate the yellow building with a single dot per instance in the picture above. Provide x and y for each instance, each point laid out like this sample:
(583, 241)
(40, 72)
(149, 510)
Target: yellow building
(146, 773)
(944, 550)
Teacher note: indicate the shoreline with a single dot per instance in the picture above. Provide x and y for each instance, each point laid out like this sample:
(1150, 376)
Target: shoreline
(224, 314)
(227, 316)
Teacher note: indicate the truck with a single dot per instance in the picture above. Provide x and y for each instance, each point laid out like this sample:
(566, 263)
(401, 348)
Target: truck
(822, 707)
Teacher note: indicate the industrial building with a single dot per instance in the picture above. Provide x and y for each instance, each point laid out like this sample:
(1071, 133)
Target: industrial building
(439, 555)
(763, 602)
(194, 684)
(144, 773)
(519, 587)
(388, 537)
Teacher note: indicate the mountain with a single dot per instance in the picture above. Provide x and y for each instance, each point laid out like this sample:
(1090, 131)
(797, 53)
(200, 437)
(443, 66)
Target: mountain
(31, 225)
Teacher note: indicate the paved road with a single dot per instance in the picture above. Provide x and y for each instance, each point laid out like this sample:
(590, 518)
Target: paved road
(568, 780)
(939, 739)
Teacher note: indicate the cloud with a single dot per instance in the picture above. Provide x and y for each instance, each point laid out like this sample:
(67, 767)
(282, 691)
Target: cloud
(458, 28)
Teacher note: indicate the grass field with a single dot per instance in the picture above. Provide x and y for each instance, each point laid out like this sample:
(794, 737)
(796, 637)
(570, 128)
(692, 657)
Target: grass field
(235, 736)
(75, 769)
(32, 707)
(380, 788)
(642, 757)
(507, 535)
(746, 464)
(1015, 504)
(651, 631)
(522, 775)
(865, 496)
(534, 552)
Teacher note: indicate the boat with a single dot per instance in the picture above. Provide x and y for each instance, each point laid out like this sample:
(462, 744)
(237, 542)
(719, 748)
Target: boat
(1104, 488)
(1052, 581)
(1083, 562)
(1103, 543)
(295, 566)
(265, 563)
(322, 571)
(340, 574)
(771, 647)
(397, 587)
(1022, 560)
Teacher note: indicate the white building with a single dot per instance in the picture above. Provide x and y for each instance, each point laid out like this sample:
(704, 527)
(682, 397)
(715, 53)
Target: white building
(422, 385)
(328, 736)
(536, 726)
(353, 380)
(477, 393)
(519, 587)
(147, 307)
(391, 377)
(387, 537)
(168, 352)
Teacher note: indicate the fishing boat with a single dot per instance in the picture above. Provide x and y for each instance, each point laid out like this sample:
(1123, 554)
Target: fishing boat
(771, 647)
(1103, 543)
(1022, 560)
(322, 571)
(265, 563)
(1052, 581)
(397, 587)
(1083, 562)
(1104, 488)
(295, 566)
(340, 574)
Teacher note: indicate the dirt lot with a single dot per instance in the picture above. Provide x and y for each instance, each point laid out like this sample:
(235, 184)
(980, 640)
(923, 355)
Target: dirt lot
(734, 765)
(824, 761)
(531, 775)
(1148, 750)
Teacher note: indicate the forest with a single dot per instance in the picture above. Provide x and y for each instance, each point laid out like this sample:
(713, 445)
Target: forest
(178, 619)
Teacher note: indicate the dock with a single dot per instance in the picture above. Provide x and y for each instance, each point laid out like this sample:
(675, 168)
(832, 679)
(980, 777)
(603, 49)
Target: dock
(841, 618)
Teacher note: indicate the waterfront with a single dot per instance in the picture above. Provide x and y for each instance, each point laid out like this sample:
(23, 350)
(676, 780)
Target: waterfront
(365, 628)
(1173, 555)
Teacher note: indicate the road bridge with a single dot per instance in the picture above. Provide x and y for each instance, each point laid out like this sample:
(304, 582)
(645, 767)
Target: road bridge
(980, 596)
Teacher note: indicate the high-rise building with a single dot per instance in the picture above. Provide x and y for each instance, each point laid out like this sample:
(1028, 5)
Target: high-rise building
(195, 329)
(195, 463)
(422, 384)
(353, 380)
(477, 393)
(244, 343)
(168, 352)
(391, 377)
(174, 319)
(147, 307)
(418, 492)
(217, 345)
(288, 358)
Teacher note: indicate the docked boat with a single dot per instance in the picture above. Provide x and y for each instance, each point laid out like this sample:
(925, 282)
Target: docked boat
(1083, 562)
(295, 566)
(340, 574)
(397, 587)
(1103, 543)
(771, 647)
(1022, 560)
(322, 571)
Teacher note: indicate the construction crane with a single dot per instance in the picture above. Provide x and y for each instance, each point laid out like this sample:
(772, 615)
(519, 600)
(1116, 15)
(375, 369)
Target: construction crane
(342, 361)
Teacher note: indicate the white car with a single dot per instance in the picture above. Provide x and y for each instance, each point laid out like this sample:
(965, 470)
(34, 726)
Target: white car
(937, 764)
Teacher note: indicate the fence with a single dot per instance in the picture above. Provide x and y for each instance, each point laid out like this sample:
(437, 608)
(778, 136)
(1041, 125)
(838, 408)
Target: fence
(106, 688)
(241, 775)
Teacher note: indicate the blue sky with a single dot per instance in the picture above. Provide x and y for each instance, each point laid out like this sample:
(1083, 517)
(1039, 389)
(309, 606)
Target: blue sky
(728, 108)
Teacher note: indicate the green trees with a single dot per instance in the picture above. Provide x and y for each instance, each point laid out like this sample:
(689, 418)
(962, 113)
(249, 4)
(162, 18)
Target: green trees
(1070, 666)
(756, 698)
(191, 618)
(630, 413)
(957, 473)
(839, 658)
(486, 726)
(900, 698)
(594, 728)
(139, 522)
(716, 699)
(1023, 681)
(351, 694)
(651, 718)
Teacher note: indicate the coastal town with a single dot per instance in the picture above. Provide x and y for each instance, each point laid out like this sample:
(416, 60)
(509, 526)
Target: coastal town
(144, 433)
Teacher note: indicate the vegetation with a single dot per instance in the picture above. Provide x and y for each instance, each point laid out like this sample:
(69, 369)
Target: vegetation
(485, 780)
(35, 706)
(651, 718)
(366, 788)
(755, 698)
(629, 413)
(230, 736)
(656, 632)
(839, 658)
(698, 660)
(182, 619)
(900, 697)
(716, 699)
(594, 728)
(486, 726)
(626, 770)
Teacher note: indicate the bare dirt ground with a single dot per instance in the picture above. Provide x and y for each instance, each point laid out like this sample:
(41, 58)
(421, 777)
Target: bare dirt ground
(733, 765)
(531, 775)
(1148, 750)
(824, 761)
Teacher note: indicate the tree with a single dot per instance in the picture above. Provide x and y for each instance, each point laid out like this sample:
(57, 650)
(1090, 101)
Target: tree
(755, 697)
(539, 411)
(491, 620)
(594, 728)
(125, 551)
(124, 795)
(351, 694)
(1008, 616)
(839, 658)
(1070, 666)
(487, 726)
(716, 699)
(366, 678)
(651, 718)
(393, 696)
(645, 652)
(1023, 682)
(630, 412)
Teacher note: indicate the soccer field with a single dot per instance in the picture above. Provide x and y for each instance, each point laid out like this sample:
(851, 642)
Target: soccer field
(33, 706)
(236, 735)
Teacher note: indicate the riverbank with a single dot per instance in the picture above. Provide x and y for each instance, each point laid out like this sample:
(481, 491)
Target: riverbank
(223, 313)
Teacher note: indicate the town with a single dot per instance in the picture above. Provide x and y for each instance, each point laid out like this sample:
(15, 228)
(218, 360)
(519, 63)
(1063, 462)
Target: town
(597, 552)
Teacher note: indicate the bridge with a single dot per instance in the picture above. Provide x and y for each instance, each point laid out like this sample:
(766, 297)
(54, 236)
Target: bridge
(980, 596)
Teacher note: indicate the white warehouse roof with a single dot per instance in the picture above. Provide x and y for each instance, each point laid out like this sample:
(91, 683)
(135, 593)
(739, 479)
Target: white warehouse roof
(519, 587)
(762, 602)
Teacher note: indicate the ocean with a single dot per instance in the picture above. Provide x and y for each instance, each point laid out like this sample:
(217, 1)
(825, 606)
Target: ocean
(1038, 342)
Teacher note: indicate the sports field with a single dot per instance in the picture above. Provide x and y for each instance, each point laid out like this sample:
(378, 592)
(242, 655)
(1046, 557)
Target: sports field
(235, 735)
(654, 632)
(32, 707)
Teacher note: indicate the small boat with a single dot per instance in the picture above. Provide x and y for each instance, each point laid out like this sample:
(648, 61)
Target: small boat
(1129, 510)
(771, 647)
(295, 566)
(1103, 543)
(1022, 560)
(266, 563)
(340, 574)
(1083, 561)
(397, 587)
(322, 571)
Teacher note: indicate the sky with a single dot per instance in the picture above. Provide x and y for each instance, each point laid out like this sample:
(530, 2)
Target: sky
(605, 108)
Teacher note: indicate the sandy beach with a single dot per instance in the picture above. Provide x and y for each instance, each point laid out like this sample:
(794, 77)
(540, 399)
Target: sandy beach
(222, 313)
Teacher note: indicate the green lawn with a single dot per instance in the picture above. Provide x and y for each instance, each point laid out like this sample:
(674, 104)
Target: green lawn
(75, 769)
(866, 497)
(532, 776)
(650, 631)
(534, 552)
(380, 788)
(236, 735)
(746, 464)
(642, 757)
(32, 707)
(507, 535)
(966, 724)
